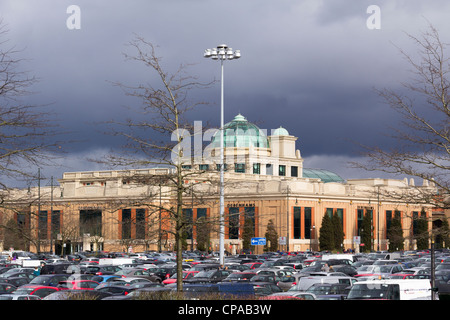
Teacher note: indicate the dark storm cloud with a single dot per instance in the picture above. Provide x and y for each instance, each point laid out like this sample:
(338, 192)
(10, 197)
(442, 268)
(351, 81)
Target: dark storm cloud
(309, 66)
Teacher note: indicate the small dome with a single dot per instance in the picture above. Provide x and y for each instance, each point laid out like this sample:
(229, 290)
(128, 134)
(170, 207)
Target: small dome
(239, 133)
(280, 132)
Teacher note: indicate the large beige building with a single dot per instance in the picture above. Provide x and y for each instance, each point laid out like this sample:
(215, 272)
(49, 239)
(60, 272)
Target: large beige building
(265, 179)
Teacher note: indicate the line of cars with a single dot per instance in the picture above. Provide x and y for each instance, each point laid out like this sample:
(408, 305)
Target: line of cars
(303, 275)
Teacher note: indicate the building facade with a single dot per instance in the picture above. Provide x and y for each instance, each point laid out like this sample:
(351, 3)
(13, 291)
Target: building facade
(265, 180)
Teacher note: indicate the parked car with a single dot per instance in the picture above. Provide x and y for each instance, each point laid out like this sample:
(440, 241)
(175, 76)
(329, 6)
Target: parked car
(186, 275)
(164, 272)
(13, 296)
(137, 272)
(37, 290)
(50, 280)
(116, 290)
(105, 278)
(55, 268)
(77, 295)
(347, 269)
(264, 288)
(320, 289)
(128, 281)
(289, 296)
(6, 288)
(102, 269)
(78, 284)
(211, 276)
(239, 276)
(253, 265)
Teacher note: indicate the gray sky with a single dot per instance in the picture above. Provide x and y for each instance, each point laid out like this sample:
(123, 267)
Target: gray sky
(309, 66)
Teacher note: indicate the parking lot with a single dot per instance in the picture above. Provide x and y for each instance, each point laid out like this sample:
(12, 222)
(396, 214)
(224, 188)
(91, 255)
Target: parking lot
(266, 277)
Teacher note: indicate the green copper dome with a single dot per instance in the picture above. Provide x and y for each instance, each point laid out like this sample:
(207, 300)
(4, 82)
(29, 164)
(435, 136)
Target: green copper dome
(281, 132)
(239, 133)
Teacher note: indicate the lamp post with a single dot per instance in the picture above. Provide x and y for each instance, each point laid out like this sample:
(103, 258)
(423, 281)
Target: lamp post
(222, 53)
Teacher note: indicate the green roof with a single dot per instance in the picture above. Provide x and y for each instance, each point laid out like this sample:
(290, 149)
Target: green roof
(240, 133)
(324, 175)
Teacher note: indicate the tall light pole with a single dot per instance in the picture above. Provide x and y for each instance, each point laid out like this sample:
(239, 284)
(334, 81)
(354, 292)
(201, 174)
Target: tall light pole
(222, 53)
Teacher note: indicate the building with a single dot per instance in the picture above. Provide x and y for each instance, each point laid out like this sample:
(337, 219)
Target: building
(265, 179)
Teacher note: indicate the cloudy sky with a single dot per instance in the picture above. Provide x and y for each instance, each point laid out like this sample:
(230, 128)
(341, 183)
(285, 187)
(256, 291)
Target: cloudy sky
(310, 66)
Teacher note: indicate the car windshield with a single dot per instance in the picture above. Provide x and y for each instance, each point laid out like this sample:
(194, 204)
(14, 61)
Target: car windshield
(385, 269)
(40, 280)
(319, 290)
(205, 274)
(370, 291)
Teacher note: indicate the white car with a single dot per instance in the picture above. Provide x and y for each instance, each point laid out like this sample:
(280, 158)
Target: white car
(19, 297)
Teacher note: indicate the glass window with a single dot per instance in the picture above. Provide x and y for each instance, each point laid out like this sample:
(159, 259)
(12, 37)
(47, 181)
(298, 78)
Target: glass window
(239, 167)
(282, 170)
(233, 224)
(203, 167)
(256, 168)
(308, 223)
(294, 171)
(297, 222)
(269, 169)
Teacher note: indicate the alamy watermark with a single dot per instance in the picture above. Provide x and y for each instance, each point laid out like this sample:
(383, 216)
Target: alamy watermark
(374, 20)
(191, 145)
(73, 22)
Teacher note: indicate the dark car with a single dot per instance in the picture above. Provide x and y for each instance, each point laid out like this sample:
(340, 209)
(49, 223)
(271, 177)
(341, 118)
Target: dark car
(75, 294)
(138, 272)
(163, 273)
(320, 289)
(51, 280)
(36, 290)
(55, 268)
(116, 290)
(6, 288)
(205, 267)
(239, 276)
(16, 281)
(210, 276)
(348, 270)
(100, 270)
(265, 288)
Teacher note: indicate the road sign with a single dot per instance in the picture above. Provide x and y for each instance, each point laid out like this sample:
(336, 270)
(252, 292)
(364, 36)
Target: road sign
(258, 241)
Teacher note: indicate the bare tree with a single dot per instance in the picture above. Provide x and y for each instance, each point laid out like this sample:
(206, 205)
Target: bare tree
(162, 116)
(423, 141)
(24, 129)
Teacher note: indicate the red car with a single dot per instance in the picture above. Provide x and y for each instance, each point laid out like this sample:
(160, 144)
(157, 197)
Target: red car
(186, 275)
(36, 290)
(253, 265)
(78, 284)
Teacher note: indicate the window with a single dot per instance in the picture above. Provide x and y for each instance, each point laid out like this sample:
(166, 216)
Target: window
(188, 219)
(239, 167)
(256, 168)
(201, 213)
(294, 171)
(302, 222)
(203, 167)
(282, 170)
(233, 223)
(43, 224)
(297, 222)
(269, 169)
(224, 167)
(140, 223)
(91, 222)
(126, 224)
(56, 222)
